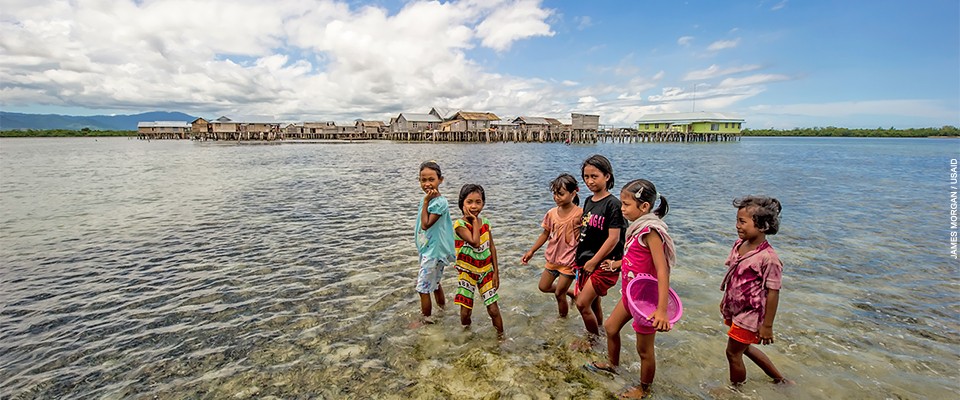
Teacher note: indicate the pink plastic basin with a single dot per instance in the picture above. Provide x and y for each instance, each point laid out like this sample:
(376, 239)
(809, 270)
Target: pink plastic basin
(642, 294)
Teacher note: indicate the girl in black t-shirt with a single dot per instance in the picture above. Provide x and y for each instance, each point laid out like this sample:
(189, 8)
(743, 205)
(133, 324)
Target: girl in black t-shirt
(600, 239)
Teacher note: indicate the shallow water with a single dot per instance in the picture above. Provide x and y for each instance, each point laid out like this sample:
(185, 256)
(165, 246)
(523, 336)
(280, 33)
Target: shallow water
(173, 269)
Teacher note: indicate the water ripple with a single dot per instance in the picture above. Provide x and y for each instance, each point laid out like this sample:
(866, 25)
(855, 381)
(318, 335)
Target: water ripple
(183, 270)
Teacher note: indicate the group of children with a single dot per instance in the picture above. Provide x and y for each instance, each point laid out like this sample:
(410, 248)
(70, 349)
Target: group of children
(589, 249)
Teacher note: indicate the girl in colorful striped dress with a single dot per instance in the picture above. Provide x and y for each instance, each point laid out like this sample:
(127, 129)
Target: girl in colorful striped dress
(477, 267)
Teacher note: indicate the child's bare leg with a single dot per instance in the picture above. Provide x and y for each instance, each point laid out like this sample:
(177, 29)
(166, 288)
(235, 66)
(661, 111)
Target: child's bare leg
(560, 291)
(648, 366)
(494, 311)
(597, 309)
(648, 359)
(426, 307)
(738, 371)
(618, 318)
(547, 285)
(546, 282)
(585, 301)
(438, 295)
(762, 361)
(465, 316)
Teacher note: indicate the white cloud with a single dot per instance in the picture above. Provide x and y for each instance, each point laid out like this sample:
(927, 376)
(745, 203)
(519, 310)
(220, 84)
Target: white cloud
(508, 23)
(705, 98)
(583, 22)
(723, 44)
(913, 108)
(779, 5)
(637, 86)
(294, 59)
(752, 80)
(721, 97)
(667, 93)
(326, 60)
(714, 71)
(900, 113)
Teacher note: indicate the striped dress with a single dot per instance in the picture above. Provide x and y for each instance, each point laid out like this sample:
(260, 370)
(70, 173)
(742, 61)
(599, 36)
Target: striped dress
(475, 266)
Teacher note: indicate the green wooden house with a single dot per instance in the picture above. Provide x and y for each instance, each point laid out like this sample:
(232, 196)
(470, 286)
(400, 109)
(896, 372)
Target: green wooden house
(692, 122)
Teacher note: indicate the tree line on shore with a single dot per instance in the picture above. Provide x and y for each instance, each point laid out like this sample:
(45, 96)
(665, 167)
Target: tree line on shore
(830, 131)
(85, 132)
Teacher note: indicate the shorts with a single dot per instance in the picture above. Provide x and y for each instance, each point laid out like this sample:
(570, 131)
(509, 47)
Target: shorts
(602, 280)
(643, 329)
(470, 283)
(431, 270)
(637, 327)
(556, 269)
(740, 334)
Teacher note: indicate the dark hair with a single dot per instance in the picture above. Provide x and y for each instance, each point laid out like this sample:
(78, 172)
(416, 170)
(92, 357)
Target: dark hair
(432, 165)
(645, 192)
(601, 163)
(766, 212)
(566, 182)
(466, 190)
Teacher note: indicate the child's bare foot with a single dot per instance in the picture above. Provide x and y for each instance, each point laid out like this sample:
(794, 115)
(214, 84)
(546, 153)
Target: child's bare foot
(583, 345)
(420, 322)
(598, 367)
(636, 392)
(784, 382)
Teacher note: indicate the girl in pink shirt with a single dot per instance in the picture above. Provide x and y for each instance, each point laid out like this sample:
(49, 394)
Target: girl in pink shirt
(561, 233)
(648, 250)
(752, 287)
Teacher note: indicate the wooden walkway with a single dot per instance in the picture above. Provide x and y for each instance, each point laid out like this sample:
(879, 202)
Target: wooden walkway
(461, 137)
(660, 137)
(494, 136)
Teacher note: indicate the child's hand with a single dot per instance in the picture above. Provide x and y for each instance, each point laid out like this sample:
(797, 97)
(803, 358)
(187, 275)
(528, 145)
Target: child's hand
(526, 257)
(609, 265)
(467, 216)
(496, 280)
(660, 320)
(430, 195)
(766, 334)
(590, 266)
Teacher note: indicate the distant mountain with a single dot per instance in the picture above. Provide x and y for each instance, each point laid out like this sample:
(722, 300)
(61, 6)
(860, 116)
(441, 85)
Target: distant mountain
(11, 121)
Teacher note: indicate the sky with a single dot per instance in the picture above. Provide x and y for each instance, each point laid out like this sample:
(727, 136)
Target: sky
(777, 64)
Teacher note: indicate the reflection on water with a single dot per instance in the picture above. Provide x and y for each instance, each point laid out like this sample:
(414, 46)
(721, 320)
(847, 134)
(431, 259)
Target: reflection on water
(184, 270)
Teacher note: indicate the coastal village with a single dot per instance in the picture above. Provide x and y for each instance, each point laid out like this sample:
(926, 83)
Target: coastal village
(455, 125)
